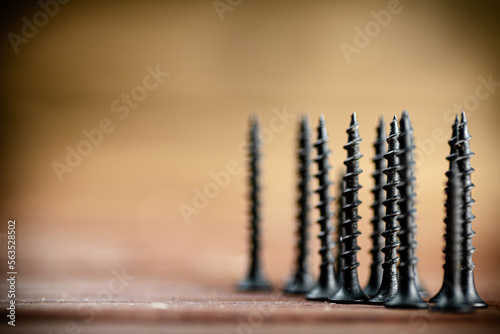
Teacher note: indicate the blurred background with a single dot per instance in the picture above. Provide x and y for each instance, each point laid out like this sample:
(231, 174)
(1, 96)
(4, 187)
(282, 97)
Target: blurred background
(128, 199)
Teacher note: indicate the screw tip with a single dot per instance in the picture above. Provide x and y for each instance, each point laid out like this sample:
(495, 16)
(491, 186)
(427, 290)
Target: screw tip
(464, 119)
(394, 126)
(304, 121)
(456, 123)
(254, 120)
(381, 127)
(322, 133)
(463, 128)
(354, 119)
(404, 123)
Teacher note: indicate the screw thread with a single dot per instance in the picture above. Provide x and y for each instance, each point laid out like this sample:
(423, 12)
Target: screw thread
(451, 203)
(451, 297)
(325, 199)
(303, 198)
(465, 168)
(453, 221)
(452, 157)
(254, 160)
(326, 284)
(453, 207)
(350, 231)
(255, 279)
(340, 218)
(391, 202)
(408, 260)
(463, 161)
(389, 284)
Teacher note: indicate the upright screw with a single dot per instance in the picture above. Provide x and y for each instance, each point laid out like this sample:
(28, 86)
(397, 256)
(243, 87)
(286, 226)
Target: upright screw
(350, 291)
(407, 295)
(389, 284)
(255, 280)
(418, 282)
(451, 298)
(378, 211)
(326, 284)
(464, 165)
(452, 157)
(340, 219)
(301, 281)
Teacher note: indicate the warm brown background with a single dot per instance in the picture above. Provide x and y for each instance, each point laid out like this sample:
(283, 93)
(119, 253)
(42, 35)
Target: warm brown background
(120, 206)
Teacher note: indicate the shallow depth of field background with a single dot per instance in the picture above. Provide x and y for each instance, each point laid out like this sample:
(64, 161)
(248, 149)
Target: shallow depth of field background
(119, 208)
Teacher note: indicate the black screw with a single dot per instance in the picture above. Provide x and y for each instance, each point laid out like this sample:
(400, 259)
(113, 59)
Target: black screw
(418, 282)
(255, 280)
(452, 157)
(301, 281)
(464, 166)
(378, 211)
(350, 291)
(451, 298)
(407, 295)
(389, 284)
(326, 284)
(340, 218)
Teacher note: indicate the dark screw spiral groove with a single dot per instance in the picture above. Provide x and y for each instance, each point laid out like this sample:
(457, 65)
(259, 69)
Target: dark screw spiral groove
(350, 290)
(301, 281)
(407, 295)
(465, 168)
(326, 284)
(255, 279)
(389, 284)
(378, 211)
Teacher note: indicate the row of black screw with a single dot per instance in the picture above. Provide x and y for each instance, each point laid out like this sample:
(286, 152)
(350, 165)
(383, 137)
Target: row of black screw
(393, 280)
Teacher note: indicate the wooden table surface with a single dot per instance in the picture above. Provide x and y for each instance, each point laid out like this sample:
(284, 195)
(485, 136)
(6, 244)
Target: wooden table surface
(137, 301)
(221, 310)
